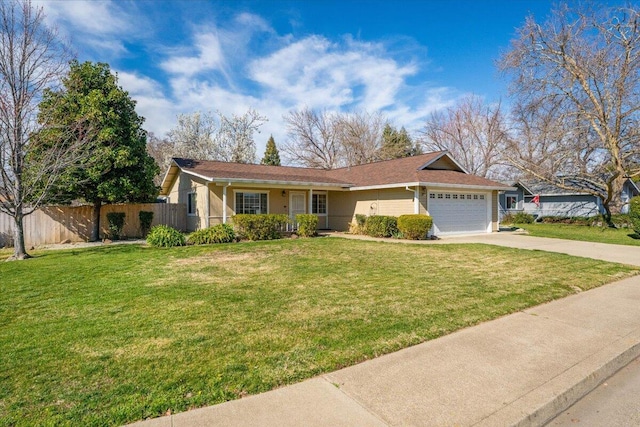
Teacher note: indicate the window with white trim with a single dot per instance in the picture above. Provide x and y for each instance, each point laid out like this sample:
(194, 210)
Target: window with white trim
(512, 202)
(319, 204)
(191, 203)
(251, 202)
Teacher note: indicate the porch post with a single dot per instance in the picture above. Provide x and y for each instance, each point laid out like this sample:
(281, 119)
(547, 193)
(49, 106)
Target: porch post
(416, 200)
(310, 200)
(224, 204)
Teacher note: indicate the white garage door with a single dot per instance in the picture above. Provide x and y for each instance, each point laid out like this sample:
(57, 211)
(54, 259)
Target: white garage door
(454, 212)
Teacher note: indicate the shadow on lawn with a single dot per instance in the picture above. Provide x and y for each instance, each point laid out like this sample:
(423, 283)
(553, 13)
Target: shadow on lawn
(634, 236)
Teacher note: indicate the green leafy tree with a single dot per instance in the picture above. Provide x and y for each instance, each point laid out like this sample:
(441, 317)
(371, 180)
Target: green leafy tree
(271, 154)
(397, 144)
(118, 169)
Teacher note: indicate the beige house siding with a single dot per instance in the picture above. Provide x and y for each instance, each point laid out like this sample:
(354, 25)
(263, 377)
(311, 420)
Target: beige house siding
(443, 163)
(215, 204)
(423, 200)
(343, 206)
(183, 185)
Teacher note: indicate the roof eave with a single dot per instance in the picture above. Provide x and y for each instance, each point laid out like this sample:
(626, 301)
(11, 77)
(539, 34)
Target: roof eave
(248, 181)
(469, 186)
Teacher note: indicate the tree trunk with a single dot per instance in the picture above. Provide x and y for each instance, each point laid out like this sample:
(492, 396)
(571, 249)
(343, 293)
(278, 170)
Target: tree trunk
(19, 250)
(616, 197)
(95, 220)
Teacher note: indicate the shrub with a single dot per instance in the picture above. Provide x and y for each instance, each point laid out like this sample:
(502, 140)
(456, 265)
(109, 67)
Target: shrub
(115, 224)
(146, 218)
(381, 226)
(220, 233)
(507, 219)
(260, 226)
(523, 218)
(358, 226)
(622, 220)
(307, 224)
(415, 227)
(634, 213)
(361, 220)
(163, 236)
(564, 220)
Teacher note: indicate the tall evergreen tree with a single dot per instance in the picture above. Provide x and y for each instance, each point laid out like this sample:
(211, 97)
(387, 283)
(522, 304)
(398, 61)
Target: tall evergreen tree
(271, 154)
(119, 168)
(397, 144)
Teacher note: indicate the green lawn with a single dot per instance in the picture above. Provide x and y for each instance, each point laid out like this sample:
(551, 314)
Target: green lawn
(617, 236)
(111, 335)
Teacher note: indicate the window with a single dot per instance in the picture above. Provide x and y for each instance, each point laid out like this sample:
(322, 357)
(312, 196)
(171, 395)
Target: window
(447, 196)
(512, 202)
(432, 195)
(455, 196)
(468, 196)
(439, 195)
(482, 197)
(191, 204)
(319, 204)
(251, 203)
(475, 197)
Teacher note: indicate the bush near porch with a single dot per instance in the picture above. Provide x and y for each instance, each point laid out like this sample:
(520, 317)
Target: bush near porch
(111, 335)
(260, 226)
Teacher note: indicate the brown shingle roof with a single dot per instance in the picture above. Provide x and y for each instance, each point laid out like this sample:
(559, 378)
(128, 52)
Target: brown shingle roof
(243, 171)
(398, 171)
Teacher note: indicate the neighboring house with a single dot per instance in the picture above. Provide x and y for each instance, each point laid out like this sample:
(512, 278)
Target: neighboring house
(432, 183)
(554, 201)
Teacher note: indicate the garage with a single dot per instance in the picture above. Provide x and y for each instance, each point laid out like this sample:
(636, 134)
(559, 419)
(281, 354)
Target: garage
(459, 212)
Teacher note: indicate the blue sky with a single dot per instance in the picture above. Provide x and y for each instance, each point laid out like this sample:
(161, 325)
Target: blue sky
(404, 58)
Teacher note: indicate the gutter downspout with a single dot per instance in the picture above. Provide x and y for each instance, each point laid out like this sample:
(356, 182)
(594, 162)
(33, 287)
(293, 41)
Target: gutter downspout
(416, 198)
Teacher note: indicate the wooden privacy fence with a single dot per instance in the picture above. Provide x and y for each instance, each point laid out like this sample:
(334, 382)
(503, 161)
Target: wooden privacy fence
(55, 224)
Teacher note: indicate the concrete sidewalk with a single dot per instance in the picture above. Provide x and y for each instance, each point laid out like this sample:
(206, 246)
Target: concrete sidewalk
(521, 369)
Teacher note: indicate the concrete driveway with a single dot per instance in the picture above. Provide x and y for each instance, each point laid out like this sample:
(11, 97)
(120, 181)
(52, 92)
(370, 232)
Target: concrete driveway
(614, 253)
(603, 251)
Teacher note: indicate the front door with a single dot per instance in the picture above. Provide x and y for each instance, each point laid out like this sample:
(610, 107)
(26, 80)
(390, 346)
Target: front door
(297, 204)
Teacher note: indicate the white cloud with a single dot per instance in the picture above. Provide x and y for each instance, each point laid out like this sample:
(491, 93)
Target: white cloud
(93, 17)
(99, 25)
(320, 74)
(243, 63)
(208, 56)
(151, 103)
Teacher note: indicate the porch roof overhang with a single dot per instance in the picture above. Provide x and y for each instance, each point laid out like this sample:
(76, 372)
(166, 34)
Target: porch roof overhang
(279, 184)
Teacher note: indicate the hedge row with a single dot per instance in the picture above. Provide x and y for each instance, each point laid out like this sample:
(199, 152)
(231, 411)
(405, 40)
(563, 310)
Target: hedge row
(414, 227)
(251, 227)
(619, 220)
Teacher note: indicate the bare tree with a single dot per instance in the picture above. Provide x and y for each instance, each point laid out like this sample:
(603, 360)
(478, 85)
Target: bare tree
(329, 140)
(161, 150)
(576, 81)
(194, 137)
(31, 59)
(204, 136)
(235, 137)
(313, 139)
(360, 136)
(474, 133)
